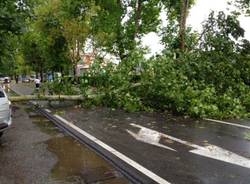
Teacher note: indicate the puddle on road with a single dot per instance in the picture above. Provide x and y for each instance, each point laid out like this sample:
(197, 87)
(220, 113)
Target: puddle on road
(76, 163)
(45, 125)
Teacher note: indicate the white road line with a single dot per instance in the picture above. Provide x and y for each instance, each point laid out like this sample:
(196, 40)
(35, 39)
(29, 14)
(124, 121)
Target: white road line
(210, 151)
(228, 123)
(121, 156)
(47, 110)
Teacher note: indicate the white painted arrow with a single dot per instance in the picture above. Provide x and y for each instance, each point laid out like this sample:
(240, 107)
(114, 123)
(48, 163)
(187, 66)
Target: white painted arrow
(150, 137)
(153, 137)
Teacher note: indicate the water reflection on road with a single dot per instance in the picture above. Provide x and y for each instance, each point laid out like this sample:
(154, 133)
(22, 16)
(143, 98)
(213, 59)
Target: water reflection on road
(76, 163)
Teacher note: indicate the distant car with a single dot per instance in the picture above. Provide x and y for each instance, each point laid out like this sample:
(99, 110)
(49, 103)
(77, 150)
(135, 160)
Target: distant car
(7, 80)
(25, 80)
(5, 112)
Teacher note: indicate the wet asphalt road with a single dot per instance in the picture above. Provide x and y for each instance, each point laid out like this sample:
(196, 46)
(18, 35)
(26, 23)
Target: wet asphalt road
(180, 166)
(23, 154)
(34, 151)
(177, 167)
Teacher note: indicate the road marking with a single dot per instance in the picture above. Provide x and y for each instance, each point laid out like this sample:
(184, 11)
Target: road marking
(121, 156)
(210, 151)
(150, 137)
(47, 110)
(228, 123)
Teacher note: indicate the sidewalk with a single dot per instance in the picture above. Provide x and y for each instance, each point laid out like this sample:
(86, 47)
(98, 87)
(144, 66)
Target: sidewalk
(23, 88)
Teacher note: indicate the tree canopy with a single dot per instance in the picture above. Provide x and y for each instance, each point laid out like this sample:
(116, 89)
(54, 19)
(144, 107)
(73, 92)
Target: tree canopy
(200, 74)
(11, 24)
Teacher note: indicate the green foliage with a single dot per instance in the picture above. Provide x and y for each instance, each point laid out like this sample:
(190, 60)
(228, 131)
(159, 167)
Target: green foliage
(218, 32)
(62, 86)
(200, 75)
(171, 39)
(119, 25)
(44, 46)
(11, 24)
(243, 5)
(210, 81)
(174, 8)
(163, 84)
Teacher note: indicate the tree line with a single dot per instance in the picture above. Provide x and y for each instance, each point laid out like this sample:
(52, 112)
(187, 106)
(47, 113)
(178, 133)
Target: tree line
(198, 74)
(55, 31)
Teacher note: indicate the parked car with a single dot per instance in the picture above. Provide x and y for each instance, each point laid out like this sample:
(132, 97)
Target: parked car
(5, 112)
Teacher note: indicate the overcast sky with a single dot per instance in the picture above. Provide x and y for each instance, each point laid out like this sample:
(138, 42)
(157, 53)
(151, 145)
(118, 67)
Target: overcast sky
(198, 14)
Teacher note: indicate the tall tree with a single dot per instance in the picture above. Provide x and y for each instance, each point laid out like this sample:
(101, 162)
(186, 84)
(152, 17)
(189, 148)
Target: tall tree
(183, 22)
(44, 45)
(178, 11)
(120, 24)
(75, 18)
(12, 17)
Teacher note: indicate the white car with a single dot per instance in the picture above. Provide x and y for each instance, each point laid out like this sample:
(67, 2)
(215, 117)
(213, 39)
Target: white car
(5, 112)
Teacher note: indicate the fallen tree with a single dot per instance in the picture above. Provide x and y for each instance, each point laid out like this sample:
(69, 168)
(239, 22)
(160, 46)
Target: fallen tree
(46, 98)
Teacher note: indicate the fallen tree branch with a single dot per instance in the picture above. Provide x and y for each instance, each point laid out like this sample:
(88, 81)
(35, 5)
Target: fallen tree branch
(46, 98)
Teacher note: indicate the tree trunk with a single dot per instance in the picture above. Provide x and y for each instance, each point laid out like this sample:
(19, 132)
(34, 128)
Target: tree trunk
(74, 69)
(138, 11)
(183, 21)
(119, 40)
(53, 75)
(41, 75)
